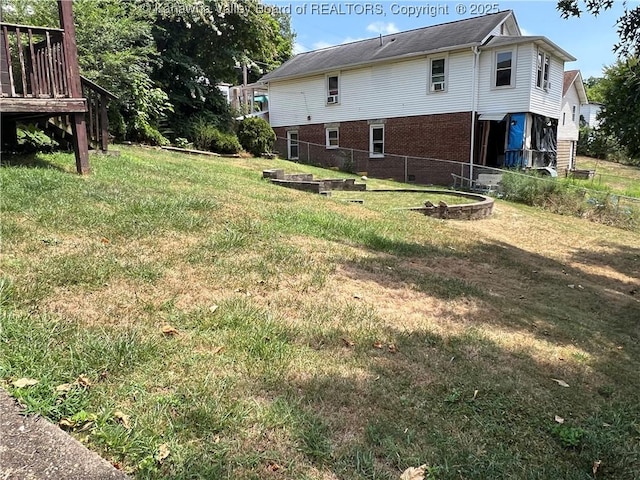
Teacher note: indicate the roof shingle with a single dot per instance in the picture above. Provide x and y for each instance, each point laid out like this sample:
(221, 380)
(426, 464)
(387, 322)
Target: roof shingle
(471, 31)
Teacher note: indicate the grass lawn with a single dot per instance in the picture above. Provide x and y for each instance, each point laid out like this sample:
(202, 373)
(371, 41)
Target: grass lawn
(618, 178)
(387, 201)
(187, 319)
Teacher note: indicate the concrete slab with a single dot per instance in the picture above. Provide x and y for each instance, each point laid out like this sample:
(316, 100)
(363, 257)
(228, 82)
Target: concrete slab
(32, 448)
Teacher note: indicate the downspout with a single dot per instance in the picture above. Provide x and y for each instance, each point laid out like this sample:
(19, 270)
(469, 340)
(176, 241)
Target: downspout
(476, 58)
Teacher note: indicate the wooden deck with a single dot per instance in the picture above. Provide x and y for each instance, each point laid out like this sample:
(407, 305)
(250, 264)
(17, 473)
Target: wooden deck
(40, 79)
(21, 106)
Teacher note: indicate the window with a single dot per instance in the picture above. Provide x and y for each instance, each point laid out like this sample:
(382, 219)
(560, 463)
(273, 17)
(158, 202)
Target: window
(332, 138)
(564, 118)
(333, 90)
(542, 77)
(573, 113)
(437, 75)
(376, 141)
(503, 69)
(292, 145)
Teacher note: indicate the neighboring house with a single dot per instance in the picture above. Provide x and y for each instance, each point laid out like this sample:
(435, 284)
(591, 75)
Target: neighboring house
(573, 94)
(474, 88)
(589, 114)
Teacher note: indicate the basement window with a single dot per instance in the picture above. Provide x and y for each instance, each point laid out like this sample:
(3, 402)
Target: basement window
(332, 138)
(376, 141)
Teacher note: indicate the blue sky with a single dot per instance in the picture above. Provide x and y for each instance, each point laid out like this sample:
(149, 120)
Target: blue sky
(321, 23)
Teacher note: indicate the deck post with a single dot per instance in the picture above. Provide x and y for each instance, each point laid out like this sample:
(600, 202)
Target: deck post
(104, 124)
(78, 124)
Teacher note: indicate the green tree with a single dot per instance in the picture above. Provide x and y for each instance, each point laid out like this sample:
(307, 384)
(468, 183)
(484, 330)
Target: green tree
(628, 23)
(620, 116)
(593, 86)
(205, 42)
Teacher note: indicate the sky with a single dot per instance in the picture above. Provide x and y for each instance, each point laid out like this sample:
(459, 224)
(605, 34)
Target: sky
(322, 23)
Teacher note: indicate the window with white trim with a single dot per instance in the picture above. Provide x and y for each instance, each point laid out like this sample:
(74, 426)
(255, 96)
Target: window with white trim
(542, 76)
(376, 141)
(333, 89)
(573, 113)
(332, 138)
(437, 82)
(504, 69)
(293, 148)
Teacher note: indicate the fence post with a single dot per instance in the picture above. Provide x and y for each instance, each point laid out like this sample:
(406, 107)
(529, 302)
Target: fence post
(406, 170)
(309, 153)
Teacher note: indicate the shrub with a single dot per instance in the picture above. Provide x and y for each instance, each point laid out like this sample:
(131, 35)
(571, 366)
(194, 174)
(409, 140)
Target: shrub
(207, 137)
(567, 198)
(529, 189)
(31, 138)
(256, 136)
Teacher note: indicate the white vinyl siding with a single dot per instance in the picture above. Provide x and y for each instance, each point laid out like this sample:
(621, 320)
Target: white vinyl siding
(547, 102)
(570, 129)
(381, 91)
(400, 89)
(505, 99)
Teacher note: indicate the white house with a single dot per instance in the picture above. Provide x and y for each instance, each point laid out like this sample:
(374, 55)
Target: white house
(470, 89)
(573, 95)
(589, 113)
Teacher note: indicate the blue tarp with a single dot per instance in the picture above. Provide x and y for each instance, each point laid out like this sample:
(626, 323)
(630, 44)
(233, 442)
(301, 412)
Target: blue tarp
(515, 144)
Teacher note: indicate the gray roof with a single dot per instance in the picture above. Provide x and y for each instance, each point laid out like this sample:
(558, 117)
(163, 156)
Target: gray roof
(446, 36)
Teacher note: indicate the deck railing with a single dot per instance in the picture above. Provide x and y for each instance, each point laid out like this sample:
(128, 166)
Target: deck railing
(33, 62)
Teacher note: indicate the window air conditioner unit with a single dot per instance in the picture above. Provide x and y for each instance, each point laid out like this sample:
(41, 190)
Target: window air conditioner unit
(332, 99)
(437, 87)
(546, 85)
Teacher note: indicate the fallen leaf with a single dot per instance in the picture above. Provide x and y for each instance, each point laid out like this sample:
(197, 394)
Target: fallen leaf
(25, 382)
(216, 350)
(169, 330)
(64, 388)
(83, 381)
(393, 348)
(213, 308)
(163, 452)
(571, 286)
(105, 241)
(606, 424)
(562, 383)
(357, 296)
(580, 287)
(378, 345)
(347, 342)
(66, 423)
(596, 466)
(273, 466)
(558, 419)
(123, 418)
(414, 473)
(475, 394)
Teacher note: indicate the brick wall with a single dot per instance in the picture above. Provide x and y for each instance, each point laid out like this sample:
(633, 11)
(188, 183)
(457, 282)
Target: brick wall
(444, 137)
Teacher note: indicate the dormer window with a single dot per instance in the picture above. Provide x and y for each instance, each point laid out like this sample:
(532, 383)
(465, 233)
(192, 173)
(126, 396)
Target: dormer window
(333, 89)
